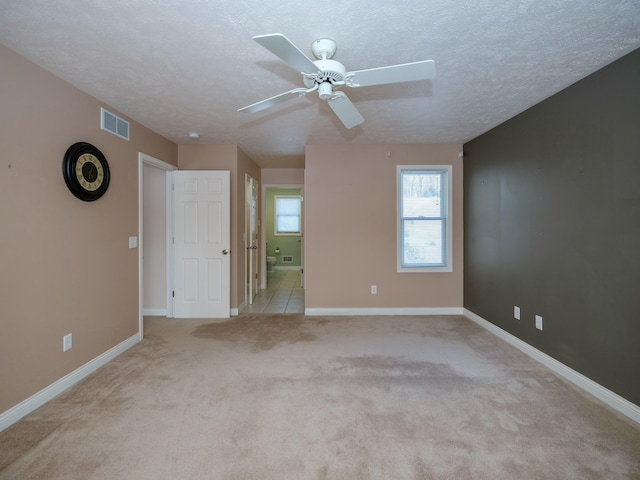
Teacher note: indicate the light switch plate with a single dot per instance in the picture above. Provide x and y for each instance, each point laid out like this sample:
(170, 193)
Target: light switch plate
(133, 242)
(516, 312)
(538, 322)
(67, 342)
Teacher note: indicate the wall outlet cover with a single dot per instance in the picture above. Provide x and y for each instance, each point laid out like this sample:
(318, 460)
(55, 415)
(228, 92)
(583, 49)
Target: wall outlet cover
(538, 322)
(516, 312)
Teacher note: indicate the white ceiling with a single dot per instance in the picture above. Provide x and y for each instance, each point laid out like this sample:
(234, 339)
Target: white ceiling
(187, 65)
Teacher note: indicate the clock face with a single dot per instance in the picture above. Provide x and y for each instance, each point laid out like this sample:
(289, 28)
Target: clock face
(86, 171)
(89, 172)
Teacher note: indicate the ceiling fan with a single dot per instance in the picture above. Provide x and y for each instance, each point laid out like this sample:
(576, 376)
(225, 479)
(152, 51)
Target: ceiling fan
(326, 76)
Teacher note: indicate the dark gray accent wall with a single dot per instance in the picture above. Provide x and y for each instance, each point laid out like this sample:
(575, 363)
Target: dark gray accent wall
(552, 225)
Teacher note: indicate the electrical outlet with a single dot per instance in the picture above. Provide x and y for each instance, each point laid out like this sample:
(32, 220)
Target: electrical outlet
(538, 322)
(516, 312)
(67, 342)
(374, 289)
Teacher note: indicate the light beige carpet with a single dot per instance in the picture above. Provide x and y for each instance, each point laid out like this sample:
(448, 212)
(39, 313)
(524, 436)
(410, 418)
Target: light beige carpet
(293, 397)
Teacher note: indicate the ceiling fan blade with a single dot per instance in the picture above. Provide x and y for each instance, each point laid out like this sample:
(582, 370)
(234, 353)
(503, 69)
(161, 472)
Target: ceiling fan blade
(270, 102)
(405, 72)
(345, 110)
(282, 47)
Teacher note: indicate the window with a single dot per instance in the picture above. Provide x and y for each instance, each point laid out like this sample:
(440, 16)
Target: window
(287, 215)
(424, 218)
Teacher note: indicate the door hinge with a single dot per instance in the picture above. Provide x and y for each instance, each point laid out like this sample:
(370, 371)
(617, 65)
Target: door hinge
(173, 293)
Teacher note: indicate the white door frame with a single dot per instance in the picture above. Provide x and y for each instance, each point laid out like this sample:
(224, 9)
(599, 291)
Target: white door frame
(263, 227)
(148, 160)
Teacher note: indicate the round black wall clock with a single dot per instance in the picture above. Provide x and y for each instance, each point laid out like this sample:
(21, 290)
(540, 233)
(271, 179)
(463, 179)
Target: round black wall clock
(86, 171)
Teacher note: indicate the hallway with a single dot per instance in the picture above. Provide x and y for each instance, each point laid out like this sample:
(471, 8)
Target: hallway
(282, 295)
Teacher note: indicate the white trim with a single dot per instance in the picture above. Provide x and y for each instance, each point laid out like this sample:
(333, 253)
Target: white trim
(234, 312)
(603, 394)
(27, 406)
(154, 312)
(278, 267)
(385, 311)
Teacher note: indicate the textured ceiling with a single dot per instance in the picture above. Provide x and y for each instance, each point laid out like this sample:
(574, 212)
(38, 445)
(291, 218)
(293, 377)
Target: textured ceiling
(187, 65)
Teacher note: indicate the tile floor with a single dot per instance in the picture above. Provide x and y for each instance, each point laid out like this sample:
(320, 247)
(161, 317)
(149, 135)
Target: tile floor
(282, 295)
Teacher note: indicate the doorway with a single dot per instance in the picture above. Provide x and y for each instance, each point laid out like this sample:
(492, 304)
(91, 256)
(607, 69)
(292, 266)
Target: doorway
(283, 229)
(154, 261)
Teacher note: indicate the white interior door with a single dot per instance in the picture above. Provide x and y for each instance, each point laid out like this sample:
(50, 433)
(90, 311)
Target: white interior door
(251, 238)
(202, 232)
(302, 237)
(253, 243)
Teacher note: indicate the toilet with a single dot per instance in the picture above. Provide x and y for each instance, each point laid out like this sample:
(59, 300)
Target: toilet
(271, 262)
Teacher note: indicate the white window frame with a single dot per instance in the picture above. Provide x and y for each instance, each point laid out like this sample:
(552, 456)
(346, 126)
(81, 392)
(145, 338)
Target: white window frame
(448, 215)
(275, 217)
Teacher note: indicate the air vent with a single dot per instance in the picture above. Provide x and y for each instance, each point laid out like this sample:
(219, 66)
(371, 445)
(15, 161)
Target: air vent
(114, 124)
(287, 259)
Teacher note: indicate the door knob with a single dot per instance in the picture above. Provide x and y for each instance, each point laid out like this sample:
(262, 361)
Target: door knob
(225, 251)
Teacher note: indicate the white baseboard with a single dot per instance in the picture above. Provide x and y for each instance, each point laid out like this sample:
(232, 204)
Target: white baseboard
(384, 311)
(241, 309)
(603, 394)
(27, 406)
(280, 267)
(154, 312)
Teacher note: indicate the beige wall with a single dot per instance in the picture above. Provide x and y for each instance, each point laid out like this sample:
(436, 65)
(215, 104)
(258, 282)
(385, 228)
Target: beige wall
(283, 176)
(155, 240)
(227, 157)
(65, 265)
(350, 228)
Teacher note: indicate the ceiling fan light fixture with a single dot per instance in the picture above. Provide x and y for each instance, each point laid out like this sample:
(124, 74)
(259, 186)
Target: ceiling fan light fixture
(325, 90)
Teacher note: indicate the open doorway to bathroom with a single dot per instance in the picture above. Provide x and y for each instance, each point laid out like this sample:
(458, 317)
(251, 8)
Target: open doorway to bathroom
(282, 231)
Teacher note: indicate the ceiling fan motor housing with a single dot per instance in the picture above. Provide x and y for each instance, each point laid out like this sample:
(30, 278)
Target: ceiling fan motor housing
(331, 72)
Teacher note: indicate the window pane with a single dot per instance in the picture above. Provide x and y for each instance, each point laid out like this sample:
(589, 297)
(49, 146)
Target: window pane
(288, 224)
(421, 193)
(288, 206)
(422, 243)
